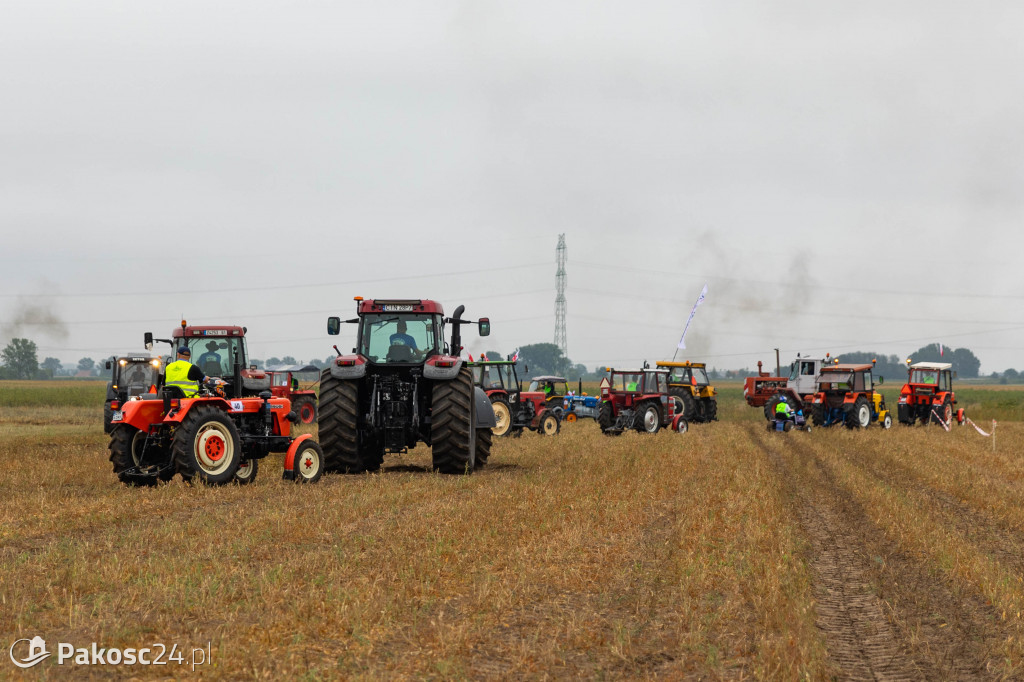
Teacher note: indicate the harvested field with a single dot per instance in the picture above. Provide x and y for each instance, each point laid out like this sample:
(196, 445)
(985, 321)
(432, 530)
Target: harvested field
(727, 553)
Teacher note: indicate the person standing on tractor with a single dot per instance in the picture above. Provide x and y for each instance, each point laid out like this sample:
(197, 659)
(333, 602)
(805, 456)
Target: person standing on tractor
(183, 374)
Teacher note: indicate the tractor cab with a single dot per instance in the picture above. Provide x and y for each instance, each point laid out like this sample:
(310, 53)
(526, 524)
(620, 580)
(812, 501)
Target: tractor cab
(130, 375)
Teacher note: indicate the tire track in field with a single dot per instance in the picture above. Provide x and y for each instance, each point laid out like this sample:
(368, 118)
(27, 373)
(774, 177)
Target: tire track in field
(982, 530)
(861, 642)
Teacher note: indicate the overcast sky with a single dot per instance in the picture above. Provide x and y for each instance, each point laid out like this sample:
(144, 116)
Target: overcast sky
(843, 176)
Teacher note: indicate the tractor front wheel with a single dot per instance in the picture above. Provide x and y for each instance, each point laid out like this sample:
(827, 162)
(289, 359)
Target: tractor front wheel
(247, 471)
(305, 407)
(309, 462)
(887, 421)
(650, 418)
(452, 425)
(483, 447)
(207, 445)
(549, 423)
(502, 416)
(126, 452)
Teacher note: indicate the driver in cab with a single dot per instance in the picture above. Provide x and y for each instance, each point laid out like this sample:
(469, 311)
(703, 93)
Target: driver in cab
(403, 345)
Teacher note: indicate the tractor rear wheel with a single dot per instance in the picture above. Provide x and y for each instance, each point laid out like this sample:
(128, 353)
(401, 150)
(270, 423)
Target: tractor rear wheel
(788, 426)
(207, 445)
(945, 411)
(502, 416)
(686, 404)
(305, 407)
(452, 424)
(605, 419)
(860, 416)
(483, 447)
(309, 462)
(126, 452)
(247, 471)
(338, 424)
(650, 418)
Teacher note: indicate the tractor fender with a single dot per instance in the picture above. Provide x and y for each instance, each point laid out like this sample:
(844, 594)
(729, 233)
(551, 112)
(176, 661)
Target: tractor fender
(255, 381)
(484, 412)
(186, 404)
(289, 458)
(348, 367)
(431, 370)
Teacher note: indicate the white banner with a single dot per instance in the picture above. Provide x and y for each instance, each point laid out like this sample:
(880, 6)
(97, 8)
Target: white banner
(978, 428)
(700, 299)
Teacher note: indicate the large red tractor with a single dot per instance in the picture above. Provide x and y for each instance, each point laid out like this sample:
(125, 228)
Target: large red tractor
(401, 385)
(514, 408)
(211, 437)
(637, 400)
(928, 395)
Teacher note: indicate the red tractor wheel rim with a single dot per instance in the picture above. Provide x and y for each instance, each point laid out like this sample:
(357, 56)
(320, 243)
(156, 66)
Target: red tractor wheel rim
(214, 448)
(306, 413)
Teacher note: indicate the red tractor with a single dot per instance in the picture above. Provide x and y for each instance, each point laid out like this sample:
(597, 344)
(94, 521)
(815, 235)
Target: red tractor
(845, 394)
(798, 388)
(284, 384)
(514, 408)
(637, 400)
(403, 384)
(212, 437)
(928, 395)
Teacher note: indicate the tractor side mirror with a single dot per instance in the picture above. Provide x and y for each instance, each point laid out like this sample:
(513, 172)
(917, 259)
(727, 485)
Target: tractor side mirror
(147, 340)
(333, 326)
(107, 364)
(880, 381)
(485, 326)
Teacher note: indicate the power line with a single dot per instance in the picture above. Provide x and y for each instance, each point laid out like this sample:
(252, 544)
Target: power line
(560, 336)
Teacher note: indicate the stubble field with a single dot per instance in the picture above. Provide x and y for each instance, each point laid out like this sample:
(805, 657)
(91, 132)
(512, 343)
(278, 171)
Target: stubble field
(724, 553)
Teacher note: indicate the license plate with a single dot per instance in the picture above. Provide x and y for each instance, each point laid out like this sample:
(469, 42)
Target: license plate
(397, 308)
(117, 416)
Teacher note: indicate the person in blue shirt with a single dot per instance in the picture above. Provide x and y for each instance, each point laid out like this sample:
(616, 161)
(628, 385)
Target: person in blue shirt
(400, 338)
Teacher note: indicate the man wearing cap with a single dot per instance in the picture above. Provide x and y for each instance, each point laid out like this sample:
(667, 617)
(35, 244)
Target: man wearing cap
(183, 374)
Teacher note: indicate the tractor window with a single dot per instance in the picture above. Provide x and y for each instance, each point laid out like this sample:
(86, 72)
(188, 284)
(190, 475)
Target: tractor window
(807, 369)
(944, 382)
(280, 379)
(627, 382)
(793, 370)
(394, 338)
(923, 376)
(656, 383)
(863, 382)
(137, 377)
(701, 375)
(215, 356)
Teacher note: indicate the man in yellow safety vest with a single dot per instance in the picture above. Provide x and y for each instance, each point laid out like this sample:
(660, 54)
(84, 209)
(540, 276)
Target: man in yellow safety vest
(183, 374)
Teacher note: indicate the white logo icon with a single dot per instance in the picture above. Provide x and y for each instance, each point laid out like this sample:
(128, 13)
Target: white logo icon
(36, 652)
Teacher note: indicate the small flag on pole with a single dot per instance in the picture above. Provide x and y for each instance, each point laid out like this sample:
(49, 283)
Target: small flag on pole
(700, 299)
(940, 350)
(515, 356)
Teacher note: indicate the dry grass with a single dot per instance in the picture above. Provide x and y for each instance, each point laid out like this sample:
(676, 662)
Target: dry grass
(667, 556)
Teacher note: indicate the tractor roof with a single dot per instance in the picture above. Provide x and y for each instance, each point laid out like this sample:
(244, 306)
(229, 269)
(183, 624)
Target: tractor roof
(399, 305)
(208, 330)
(666, 363)
(932, 365)
(550, 378)
(841, 367)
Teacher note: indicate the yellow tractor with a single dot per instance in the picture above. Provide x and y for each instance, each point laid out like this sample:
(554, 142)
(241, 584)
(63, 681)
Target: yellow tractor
(691, 391)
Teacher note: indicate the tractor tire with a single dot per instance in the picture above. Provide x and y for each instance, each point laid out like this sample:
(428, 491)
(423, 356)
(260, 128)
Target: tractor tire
(125, 453)
(860, 416)
(502, 416)
(305, 407)
(768, 410)
(549, 424)
(309, 462)
(686, 404)
(337, 424)
(682, 426)
(945, 411)
(887, 421)
(605, 417)
(818, 415)
(710, 409)
(207, 445)
(452, 424)
(483, 447)
(650, 418)
(247, 471)
(108, 415)
(570, 417)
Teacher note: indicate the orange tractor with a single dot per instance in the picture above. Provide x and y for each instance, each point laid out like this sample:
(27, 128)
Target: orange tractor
(928, 395)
